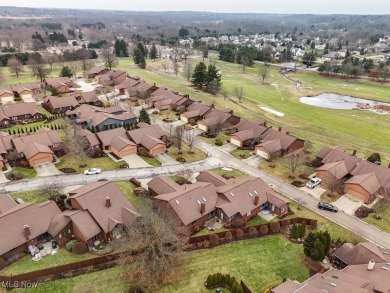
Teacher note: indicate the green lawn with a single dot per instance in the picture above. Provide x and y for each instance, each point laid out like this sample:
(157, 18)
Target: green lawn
(104, 163)
(234, 172)
(365, 131)
(30, 196)
(256, 221)
(128, 189)
(26, 264)
(167, 114)
(16, 129)
(211, 140)
(241, 154)
(261, 263)
(151, 161)
(383, 223)
(197, 154)
(26, 172)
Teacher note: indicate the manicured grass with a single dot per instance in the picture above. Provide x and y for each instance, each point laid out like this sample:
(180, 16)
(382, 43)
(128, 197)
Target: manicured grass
(211, 140)
(152, 161)
(26, 172)
(30, 196)
(241, 154)
(111, 281)
(26, 264)
(273, 256)
(206, 231)
(235, 173)
(16, 129)
(383, 223)
(128, 189)
(197, 154)
(104, 163)
(325, 196)
(167, 114)
(256, 221)
(363, 130)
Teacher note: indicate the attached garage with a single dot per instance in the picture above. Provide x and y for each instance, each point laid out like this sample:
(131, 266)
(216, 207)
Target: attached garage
(37, 154)
(157, 149)
(202, 126)
(234, 140)
(363, 187)
(262, 153)
(120, 146)
(40, 158)
(183, 118)
(127, 150)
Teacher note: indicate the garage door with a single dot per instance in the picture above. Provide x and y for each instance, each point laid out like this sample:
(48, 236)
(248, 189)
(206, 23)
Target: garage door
(185, 119)
(126, 152)
(157, 150)
(202, 127)
(26, 96)
(39, 161)
(235, 142)
(356, 194)
(262, 154)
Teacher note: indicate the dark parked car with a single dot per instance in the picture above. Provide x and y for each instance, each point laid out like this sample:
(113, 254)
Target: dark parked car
(327, 206)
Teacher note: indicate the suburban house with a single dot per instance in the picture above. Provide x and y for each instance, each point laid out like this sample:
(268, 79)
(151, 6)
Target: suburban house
(278, 143)
(150, 138)
(90, 139)
(142, 90)
(195, 112)
(57, 105)
(364, 269)
(89, 98)
(247, 133)
(97, 70)
(215, 119)
(15, 113)
(168, 101)
(212, 195)
(100, 119)
(111, 78)
(24, 224)
(361, 179)
(117, 142)
(108, 211)
(60, 84)
(127, 86)
(26, 90)
(38, 148)
(6, 93)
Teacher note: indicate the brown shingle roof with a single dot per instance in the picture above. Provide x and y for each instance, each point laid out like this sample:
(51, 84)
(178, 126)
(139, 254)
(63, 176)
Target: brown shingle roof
(58, 81)
(62, 102)
(36, 216)
(163, 184)
(326, 150)
(19, 109)
(107, 136)
(6, 203)
(271, 146)
(362, 253)
(147, 136)
(89, 97)
(92, 197)
(285, 139)
(47, 138)
(85, 223)
(35, 148)
(119, 143)
(368, 181)
(381, 173)
(336, 155)
(211, 177)
(337, 169)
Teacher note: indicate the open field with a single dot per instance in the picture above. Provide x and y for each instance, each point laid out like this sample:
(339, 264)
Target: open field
(261, 263)
(363, 130)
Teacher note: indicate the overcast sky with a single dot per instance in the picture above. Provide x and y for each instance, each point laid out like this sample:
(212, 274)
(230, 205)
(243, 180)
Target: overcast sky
(260, 6)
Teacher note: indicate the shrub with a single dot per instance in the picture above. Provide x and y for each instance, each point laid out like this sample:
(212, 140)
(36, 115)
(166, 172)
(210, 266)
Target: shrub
(70, 244)
(285, 223)
(214, 239)
(313, 224)
(206, 243)
(3, 263)
(219, 279)
(264, 229)
(196, 228)
(238, 223)
(252, 231)
(232, 281)
(293, 231)
(275, 227)
(239, 233)
(218, 142)
(228, 236)
(135, 289)
(79, 248)
(210, 281)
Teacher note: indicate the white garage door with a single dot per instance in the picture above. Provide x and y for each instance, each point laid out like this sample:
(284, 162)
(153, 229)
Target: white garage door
(262, 154)
(235, 142)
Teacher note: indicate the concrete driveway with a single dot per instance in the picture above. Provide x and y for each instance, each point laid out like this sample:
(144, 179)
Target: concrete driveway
(253, 161)
(3, 179)
(166, 159)
(28, 99)
(47, 169)
(316, 192)
(348, 204)
(135, 161)
(85, 86)
(227, 147)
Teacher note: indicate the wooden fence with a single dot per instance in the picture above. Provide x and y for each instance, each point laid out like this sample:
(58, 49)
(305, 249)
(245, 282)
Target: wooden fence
(245, 287)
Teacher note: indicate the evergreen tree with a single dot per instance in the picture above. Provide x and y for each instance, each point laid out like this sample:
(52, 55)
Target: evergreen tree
(153, 52)
(144, 116)
(317, 252)
(123, 47)
(199, 75)
(139, 56)
(117, 48)
(66, 72)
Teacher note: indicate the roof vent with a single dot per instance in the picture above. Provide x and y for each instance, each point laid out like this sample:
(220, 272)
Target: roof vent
(231, 193)
(204, 199)
(386, 252)
(255, 191)
(333, 284)
(250, 194)
(386, 269)
(371, 265)
(198, 201)
(177, 201)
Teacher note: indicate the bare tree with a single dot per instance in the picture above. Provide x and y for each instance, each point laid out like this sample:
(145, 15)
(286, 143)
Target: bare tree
(334, 185)
(176, 54)
(165, 66)
(263, 71)
(225, 95)
(38, 67)
(292, 162)
(245, 61)
(51, 190)
(50, 59)
(187, 72)
(175, 66)
(15, 66)
(190, 137)
(75, 143)
(185, 53)
(383, 203)
(85, 57)
(238, 92)
(178, 135)
(217, 125)
(169, 127)
(307, 146)
(159, 238)
(186, 173)
(110, 97)
(74, 67)
(109, 58)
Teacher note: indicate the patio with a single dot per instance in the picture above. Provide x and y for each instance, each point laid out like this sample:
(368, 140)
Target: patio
(214, 224)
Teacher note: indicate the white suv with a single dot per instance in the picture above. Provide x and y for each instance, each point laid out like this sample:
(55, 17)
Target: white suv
(313, 182)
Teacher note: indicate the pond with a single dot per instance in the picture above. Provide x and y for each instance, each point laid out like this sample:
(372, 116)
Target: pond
(335, 101)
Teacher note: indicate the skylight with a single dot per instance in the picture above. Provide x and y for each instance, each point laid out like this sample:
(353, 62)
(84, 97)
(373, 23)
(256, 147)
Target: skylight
(198, 201)
(255, 192)
(177, 201)
(250, 194)
(231, 193)
(204, 199)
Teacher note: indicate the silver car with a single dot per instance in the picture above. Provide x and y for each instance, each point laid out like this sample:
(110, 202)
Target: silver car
(313, 182)
(92, 171)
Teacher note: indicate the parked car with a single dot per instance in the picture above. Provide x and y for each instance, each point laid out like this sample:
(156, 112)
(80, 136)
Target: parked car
(327, 206)
(313, 182)
(92, 171)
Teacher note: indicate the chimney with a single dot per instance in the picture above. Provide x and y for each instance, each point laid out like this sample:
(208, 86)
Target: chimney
(202, 208)
(354, 153)
(280, 128)
(108, 202)
(26, 229)
(257, 199)
(265, 123)
(371, 265)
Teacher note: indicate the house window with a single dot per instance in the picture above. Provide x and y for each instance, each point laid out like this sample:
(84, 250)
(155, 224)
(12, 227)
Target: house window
(193, 223)
(6, 122)
(27, 116)
(14, 118)
(43, 236)
(95, 238)
(55, 145)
